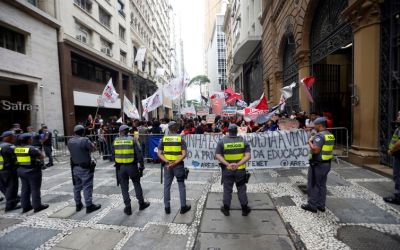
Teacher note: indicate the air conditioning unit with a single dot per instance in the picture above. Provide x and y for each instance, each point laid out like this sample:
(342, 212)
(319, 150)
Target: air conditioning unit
(106, 51)
(81, 38)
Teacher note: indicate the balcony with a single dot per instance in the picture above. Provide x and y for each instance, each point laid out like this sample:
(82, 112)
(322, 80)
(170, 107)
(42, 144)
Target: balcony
(244, 48)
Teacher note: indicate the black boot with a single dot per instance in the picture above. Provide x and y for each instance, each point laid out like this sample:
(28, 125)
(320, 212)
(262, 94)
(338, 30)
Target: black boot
(27, 209)
(185, 209)
(392, 199)
(128, 210)
(144, 205)
(42, 207)
(321, 209)
(245, 210)
(92, 208)
(167, 210)
(225, 210)
(8, 209)
(79, 207)
(307, 207)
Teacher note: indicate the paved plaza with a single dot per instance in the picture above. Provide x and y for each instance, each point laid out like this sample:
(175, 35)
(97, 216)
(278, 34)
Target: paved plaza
(356, 216)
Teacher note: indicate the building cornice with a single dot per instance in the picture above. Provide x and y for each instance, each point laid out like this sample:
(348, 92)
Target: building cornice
(35, 12)
(362, 13)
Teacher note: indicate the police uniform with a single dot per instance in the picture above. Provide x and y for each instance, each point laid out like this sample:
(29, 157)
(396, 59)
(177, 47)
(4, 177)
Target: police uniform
(172, 146)
(82, 172)
(233, 149)
(320, 165)
(396, 169)
(127, 156)
(8, 173)
(30, 172)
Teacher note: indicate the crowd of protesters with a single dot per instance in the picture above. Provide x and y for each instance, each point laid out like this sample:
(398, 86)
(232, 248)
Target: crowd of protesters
(104, 132)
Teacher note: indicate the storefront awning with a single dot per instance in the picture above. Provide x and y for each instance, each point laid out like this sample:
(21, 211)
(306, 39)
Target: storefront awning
(90, 100)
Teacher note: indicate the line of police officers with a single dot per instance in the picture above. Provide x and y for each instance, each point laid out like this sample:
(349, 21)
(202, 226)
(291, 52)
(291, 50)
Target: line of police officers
(232, 151)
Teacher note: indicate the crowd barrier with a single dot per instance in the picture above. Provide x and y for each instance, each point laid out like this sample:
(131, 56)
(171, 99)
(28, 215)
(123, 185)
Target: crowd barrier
(148, 143)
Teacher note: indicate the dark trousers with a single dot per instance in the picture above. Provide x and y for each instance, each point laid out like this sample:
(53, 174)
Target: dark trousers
(179, 173)
(396, 177)
(48, 152)
(126, 172)
(9, 186)
(316, 185)
(31, 181)
(83, 178)
(229, 178)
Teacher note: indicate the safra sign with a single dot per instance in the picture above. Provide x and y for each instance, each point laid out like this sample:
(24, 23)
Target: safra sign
(18, 106)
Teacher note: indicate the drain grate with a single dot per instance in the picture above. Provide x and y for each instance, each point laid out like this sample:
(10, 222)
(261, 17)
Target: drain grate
(358, 237)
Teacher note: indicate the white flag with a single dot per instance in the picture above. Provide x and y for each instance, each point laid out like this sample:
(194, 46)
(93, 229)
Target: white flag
(109, 93)
(159, 72)
(140, 54)
(151, 103)
(130, 110)
(287, 91)
(174, 89)
(188, 110)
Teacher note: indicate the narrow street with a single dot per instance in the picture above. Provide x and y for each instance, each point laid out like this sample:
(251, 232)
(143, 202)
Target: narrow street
(356, 216)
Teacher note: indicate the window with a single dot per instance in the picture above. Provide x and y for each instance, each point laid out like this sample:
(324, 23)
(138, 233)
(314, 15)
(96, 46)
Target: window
(84, 4)
(122, 56)
(120, 8)
(125, 82)
(33, 2)
(104, 17)
(12, 40)
(122, 33)
(106, 47)
(89, 70)
(82, 33)
(134, 54)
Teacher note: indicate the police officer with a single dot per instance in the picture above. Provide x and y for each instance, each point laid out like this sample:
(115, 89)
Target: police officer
(172, 151)
(321, 147)
(47, 145)
(80, 148)
(394, 151)
(8, 171)
(29, 170)
(127, 156)
(233, 152)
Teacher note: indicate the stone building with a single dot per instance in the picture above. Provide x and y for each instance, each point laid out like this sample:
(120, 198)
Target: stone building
(30, 91)
(351, 47)
(100, 40)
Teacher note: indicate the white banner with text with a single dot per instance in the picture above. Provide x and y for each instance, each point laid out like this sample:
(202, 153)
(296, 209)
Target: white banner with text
(277, 149)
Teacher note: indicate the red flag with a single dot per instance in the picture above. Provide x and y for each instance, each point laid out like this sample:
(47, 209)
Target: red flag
(308, 81)
(263, 104)
(231, 96)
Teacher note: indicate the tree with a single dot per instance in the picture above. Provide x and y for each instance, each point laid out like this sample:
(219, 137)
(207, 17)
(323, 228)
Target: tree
(193, 102)
(199, 80)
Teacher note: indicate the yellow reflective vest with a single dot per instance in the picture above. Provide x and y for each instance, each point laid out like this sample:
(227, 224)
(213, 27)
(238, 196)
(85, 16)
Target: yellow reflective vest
(1, 161)
(395, 139)
(234, 152)
(172, 147)
(124, 150)
(23, 157)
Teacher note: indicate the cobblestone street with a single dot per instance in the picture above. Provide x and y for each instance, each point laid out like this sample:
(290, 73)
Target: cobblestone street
(356, 217)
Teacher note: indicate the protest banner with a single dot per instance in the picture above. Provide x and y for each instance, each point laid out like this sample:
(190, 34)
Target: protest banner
(229, 111)
(210, 118)
(277, 149)
(288, 124)
(202, 111)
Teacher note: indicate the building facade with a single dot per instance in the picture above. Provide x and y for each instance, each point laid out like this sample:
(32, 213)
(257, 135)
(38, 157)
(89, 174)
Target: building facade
(349, 47)
(244, 39)
(100, 40)
(30, 91)
(216, 57)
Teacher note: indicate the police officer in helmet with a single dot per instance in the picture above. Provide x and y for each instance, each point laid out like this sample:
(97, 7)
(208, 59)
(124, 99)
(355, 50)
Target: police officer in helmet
(82, 168)
(233, 152)
(8, 171)
(127, 156)
(30, 162)
(321, 147)
(172, 152)
(394, 152)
